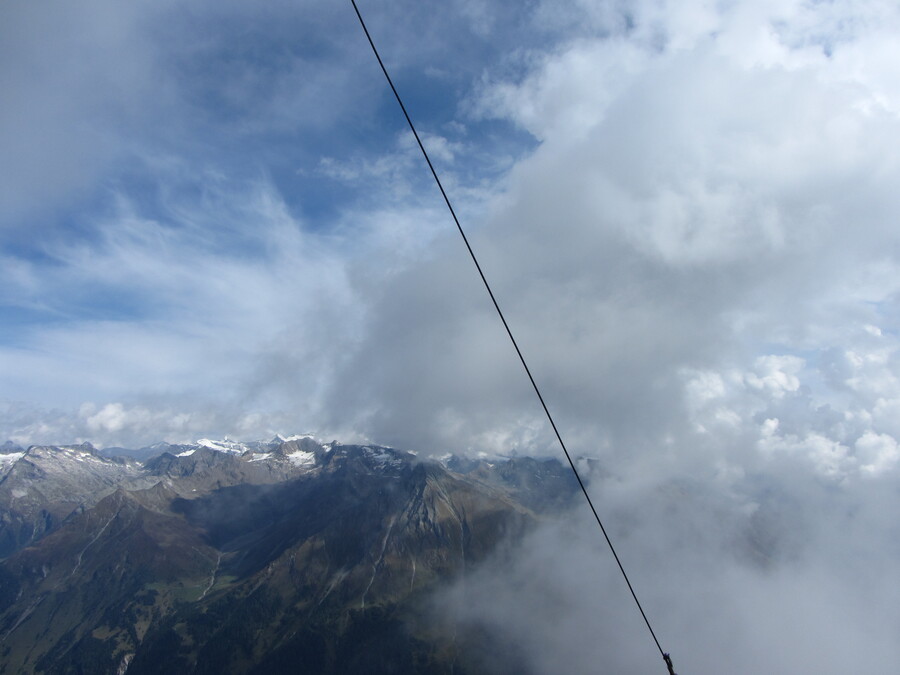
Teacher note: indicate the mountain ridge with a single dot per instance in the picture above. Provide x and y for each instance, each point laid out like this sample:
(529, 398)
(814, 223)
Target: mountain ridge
(240, 557)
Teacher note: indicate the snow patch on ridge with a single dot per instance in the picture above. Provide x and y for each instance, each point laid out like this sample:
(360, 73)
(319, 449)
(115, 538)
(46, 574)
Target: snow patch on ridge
(382, 456)
(302, 458)
(11, 458)
(226, 446)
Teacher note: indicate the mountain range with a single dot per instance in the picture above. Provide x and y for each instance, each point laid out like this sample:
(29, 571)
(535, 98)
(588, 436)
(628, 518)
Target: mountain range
(282, 556)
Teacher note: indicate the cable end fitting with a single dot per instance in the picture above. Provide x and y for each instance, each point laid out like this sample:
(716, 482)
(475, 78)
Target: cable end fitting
(668, 660)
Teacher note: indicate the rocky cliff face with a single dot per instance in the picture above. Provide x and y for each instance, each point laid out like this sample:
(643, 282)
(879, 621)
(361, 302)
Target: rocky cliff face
(290, 556)
(42, 486)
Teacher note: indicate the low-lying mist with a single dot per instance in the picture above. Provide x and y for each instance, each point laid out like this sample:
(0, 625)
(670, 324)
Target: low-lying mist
(778, 574)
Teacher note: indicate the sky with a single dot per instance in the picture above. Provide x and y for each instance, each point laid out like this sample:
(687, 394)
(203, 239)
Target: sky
(214, 222)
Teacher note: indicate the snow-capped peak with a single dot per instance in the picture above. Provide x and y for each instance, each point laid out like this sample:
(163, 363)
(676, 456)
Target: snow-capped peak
(225, 445)
(10, 457)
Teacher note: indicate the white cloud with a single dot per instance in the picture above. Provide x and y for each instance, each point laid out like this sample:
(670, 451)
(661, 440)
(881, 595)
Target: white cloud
(778, 587)
(137, 425)
(189, 319)
(776, 375)
(877, 452)
(686, 208)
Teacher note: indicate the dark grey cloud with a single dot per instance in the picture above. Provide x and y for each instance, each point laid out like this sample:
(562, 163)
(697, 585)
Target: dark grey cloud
(72, 75)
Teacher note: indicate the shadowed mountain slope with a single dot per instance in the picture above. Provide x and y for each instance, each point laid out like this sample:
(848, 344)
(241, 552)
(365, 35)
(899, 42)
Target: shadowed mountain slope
(294, 558)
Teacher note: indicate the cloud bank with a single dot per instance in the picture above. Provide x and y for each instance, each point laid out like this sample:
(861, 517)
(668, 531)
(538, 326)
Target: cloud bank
(214, 223)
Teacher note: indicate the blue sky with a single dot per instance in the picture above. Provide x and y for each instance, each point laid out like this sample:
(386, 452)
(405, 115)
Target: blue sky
(156, 148)
(214, 222)
(209, 214)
